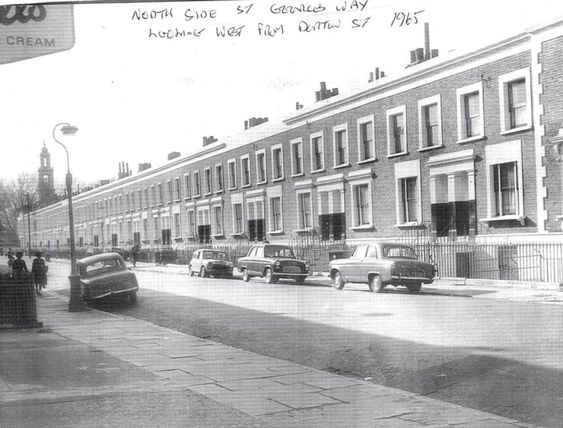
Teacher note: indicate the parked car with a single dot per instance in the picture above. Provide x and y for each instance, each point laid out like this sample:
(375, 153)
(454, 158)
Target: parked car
(105, 275)
(210, 262)
(382, 264)
(272, 262)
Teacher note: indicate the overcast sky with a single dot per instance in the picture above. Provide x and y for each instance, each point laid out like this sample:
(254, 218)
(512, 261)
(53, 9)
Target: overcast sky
(136, 98)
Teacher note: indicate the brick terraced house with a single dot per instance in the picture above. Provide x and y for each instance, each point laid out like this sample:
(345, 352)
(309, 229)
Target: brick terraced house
(458, 147)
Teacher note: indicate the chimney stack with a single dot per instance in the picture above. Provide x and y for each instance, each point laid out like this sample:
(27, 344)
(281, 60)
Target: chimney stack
(209, 140)
(325, 93)
(423, 54)
(298, 106)
(254, 121)
(143, 166)
(426, 41)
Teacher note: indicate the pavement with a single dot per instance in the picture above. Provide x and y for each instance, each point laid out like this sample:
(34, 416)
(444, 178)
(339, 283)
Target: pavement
(97, 369)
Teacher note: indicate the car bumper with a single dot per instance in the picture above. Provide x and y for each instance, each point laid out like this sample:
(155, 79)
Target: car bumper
(398, 279)
(290, 275)
(111, 293)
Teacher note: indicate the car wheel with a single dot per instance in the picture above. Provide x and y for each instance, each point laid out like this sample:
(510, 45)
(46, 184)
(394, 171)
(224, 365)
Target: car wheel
(376, 284)
(203, 272)
(337, 281)
(300, 281)
(245, 275)
(133, 297)
(414, 288)
(268, 276)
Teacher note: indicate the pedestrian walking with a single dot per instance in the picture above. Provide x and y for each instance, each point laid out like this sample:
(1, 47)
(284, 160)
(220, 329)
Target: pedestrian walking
(39, 270)
(135, 254)
(18, 265)
(10, 256)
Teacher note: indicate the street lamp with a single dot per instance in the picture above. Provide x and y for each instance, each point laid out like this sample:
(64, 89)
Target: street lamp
(76, 303)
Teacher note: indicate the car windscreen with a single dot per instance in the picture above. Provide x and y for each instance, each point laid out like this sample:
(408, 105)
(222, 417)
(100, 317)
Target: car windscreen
(102, 266)
(399, 252)
(275, 251)
(215, 255)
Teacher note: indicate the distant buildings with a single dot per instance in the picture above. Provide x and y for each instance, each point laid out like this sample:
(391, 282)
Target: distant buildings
(459, 147)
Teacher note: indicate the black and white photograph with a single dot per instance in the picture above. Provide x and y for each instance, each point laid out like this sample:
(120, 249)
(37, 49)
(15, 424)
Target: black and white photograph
(280, 213)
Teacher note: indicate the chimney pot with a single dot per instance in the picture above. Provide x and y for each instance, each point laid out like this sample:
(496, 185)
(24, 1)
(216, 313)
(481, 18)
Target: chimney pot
(426, 40)
(413, 57)
(434, 53)
(370, 77)
(419, 54)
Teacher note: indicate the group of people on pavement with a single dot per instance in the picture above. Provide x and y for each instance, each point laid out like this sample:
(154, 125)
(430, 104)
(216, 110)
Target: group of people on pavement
(38, 268)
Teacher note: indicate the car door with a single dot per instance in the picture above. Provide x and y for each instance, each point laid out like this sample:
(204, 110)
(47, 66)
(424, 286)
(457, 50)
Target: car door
(247, 261)
(354, 268)
(258, 261)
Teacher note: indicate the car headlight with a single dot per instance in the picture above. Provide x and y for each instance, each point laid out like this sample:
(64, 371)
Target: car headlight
(307, 266)
(209, 264)
(277, 264)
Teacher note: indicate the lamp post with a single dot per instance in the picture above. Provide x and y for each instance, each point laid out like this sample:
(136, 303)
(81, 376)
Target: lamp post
(28, 225)
(76, 303)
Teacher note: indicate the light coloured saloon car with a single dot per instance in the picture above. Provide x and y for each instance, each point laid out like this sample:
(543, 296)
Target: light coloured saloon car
(382, 264)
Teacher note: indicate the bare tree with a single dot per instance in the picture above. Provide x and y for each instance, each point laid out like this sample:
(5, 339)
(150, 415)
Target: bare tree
(14, 199)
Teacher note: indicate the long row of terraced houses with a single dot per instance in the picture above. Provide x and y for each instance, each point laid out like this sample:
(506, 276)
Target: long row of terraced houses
(465, 146)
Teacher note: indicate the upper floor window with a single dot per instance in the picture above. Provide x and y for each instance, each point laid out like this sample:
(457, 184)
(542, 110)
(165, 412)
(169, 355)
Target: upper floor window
(396, 131)
(170, 191)
(515, 100)
(261, 166)
(470, 112)
(297, 157)
(160, 194)
(147, 199)
(430, 123)
(340, 136)
(197, 189)
(232, 174)
(366, 141)
(187, 186)
(219, 177)
(245, 170)
(178, 186)
(208, 181)
(277, 162)
(317, 152)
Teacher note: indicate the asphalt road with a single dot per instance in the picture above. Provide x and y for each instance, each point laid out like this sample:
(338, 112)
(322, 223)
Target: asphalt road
(498, 356)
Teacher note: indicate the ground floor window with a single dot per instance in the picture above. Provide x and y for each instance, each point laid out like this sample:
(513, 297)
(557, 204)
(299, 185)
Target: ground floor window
(304, 206)
(333, 226)
(361, 205)
(256, 223)
(409, 201)
(505, 188)
(114, 239)
(275, 209)
(166, 236)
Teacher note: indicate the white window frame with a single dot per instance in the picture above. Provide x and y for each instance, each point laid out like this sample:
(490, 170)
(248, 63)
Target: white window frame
(208, 182)
(170, 191)
(404, 170)
(300, 226)
(510, 151)
(233, 182)
(272, 151)
(358, 178)
(503, 81)
(193, 232)
(460, 95)
(196, 183)
(178, 188)
(187, 186)
(422, 104)
(343, 127)
(292, 143)
(311, 138)
(273, 193)
(265, 164)
(241, 231)
(218, 229)
(220, 184)
(400, 110)
(242, 171)
(360, 122)
(177, 226)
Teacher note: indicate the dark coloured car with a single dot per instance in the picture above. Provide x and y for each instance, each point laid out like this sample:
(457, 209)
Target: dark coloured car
(105, 275)
(211, 263)
(382, 264)
(272, 262)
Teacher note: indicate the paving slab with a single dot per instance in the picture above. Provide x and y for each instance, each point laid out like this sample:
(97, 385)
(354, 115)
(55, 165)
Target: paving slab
(127, 372)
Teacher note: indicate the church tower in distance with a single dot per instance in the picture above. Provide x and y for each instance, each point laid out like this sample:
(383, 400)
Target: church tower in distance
(46, 184)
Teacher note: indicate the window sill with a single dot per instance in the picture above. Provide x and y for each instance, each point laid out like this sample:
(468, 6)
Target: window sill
(425, 149)
(237, 235)
(367, 161)
(344, 165)
(301, 174)
(233, 188)
(262, 182)
(396, 155)
(244, 186)
(178, 239)
(363, 227)
(208, 194)
(275, 232)
(218, 192)
(196, 196)
(318, 170)
(187, 198)
(218, 235)
(408, 224)
(275, 180)
(515, 217)
(306, 230)
(515, 130)
(177, 200)
(471, 139)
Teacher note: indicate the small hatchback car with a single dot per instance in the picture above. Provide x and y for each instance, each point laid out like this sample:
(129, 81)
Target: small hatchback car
(272, 262)
(104, 275)
(382, 264)
(210, 263)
